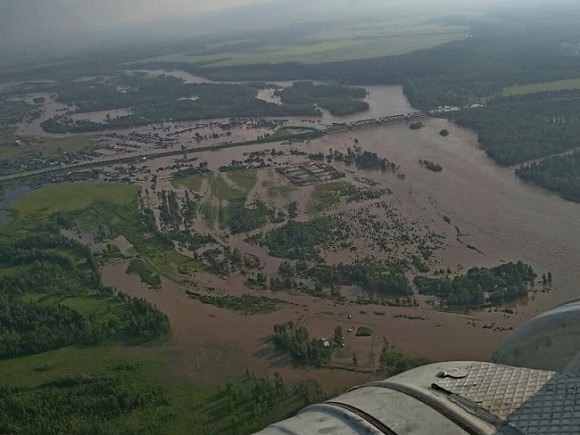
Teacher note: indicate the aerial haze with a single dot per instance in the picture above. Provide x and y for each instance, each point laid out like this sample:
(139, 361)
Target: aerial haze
(215, 213)
(71, 25)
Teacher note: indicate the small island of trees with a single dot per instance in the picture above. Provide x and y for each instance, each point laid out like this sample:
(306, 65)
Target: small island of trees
(497, 285)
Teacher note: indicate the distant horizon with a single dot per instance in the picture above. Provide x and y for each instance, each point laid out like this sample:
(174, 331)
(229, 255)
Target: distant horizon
(53, 28)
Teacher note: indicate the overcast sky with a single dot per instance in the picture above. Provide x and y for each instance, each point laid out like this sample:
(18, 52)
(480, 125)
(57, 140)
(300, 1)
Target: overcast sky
(22, 19)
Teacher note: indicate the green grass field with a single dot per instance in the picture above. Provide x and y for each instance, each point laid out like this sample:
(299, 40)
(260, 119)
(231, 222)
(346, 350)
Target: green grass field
(193, 182)
(223, 191)
(241, 182)
(209, 212)
(184, 407)
(246, 180)
(72, 197)
(280, 191)
(533, 88)
(325, 196)
(47, 147)
(354, 43)
(114, 211)
(145, 272)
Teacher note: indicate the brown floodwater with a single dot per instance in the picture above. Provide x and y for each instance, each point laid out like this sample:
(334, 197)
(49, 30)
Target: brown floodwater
(51, 108)
(506, 219)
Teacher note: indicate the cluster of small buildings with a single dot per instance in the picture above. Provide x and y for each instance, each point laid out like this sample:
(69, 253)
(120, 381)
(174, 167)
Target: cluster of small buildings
(310, 173)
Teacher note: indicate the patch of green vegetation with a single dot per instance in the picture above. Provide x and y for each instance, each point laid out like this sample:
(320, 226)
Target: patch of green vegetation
(295, 340)
(72, 197)
(394, 360)
(245, 180)
(558, 173)
(209, 212)
(362, 159)
(496, 285)
(558, 85)
(110, 211)
(223, 191)
(240, 219)
(245, 304)
(99, 307)
(14, 112)
(302, 240)
(52, 293)
(521, 128)
(231, 193)
(103, 390)
(76, 404)
(326, 196)
(375, 278)
(338, 100)
(193, 182)
(364, 331)
(142, 269)
(280, 191)
(160, 99)
(431, 166)
(330, 50)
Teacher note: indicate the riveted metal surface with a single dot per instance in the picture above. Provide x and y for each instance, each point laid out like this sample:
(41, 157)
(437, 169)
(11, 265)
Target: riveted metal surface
(530, 401)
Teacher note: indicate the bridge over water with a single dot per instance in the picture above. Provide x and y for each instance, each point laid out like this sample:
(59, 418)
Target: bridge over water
(375, 122)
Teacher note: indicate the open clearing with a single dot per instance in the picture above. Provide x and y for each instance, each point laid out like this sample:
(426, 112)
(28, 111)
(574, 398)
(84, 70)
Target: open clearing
(73, 197)
(533, 88)
(47, 147)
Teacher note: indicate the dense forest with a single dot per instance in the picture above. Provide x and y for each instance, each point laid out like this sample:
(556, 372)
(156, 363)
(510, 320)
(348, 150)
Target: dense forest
(164, 98)
(496, 285)
(338, 100)
(559, 173)
(76, 405)
(458, 73)
(517, 129)
(376, 279)
(121, 399)
(302, 240)
(240, 219)
(50, 266)
(160, 99)
(373, 277)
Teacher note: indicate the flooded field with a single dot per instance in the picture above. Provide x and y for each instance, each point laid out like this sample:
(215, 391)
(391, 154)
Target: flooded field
(491, 218)
(382, 100)
(503, 218)
(50, 108)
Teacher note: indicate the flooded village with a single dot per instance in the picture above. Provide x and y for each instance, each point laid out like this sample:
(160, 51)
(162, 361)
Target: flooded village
(459, 215)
